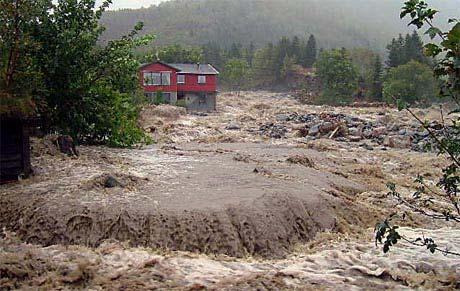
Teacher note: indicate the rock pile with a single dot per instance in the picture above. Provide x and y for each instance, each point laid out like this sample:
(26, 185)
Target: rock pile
(273, 130)
(346, 128)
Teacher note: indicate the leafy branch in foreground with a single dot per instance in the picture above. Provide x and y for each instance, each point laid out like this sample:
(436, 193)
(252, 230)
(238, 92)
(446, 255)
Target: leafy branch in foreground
(442, 203)
(388, 235)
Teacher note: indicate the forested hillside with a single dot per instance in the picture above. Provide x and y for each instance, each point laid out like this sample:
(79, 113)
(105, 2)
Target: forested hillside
(336, 23)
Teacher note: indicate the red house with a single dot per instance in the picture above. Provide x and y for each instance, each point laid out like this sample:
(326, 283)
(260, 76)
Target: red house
(193, 85)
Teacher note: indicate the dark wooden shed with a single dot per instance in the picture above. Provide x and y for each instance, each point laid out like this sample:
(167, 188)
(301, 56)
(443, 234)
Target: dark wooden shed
(14, 149)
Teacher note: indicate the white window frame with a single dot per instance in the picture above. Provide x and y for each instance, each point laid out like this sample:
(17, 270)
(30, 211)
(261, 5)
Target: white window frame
(181, 80)
(163, 74)
(150, 80)
(147, 78)
(202, 79)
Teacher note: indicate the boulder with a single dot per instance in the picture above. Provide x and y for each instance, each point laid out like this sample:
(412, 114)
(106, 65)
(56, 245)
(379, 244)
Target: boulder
(389, 142)
(327, 127)
(111, 182)
(282, 117)
(354, 138)
(353, 131)
(379, 131)
(233, 126)
(402, 142)
(314, 130)
(302, 132)
(367, 132)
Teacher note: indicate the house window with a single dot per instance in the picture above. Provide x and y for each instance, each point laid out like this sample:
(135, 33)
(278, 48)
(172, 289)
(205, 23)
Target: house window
(155, 79)
(166, 78)
(201, 79)
(147, 78)
(180, 79)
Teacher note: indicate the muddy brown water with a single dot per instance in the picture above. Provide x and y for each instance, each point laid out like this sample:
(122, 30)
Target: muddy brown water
(200, 198)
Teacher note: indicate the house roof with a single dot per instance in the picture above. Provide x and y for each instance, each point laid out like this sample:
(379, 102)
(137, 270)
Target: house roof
(199, 69)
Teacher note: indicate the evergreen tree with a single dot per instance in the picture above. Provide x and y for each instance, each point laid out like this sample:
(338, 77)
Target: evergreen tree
(396, 52)
(403, 50)
(377, 77)
(249, 53)
(296, 49)
(212, 54)
(282, 50)
(235, 51)
(310, 52)
(263, 68)
(288, 62)
(407, 51)
(414, 48)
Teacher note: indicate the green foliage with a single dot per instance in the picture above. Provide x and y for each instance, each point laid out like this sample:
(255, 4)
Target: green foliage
(403, 50)
(212, 54)
(426, 199)
(412, 83)
(365, 62)
(159, 99)
(19, 75)
(385, 231)
(376, 89)
(270, 65)
(396, 52)
(174, 54)
(181, 103)
(338, 75)
(236, 72)
(296, 49)
(286, 68)
(82, 89)
(235, 51)
(335, 23)
(263, 67)
(310, 53)
(113, 119)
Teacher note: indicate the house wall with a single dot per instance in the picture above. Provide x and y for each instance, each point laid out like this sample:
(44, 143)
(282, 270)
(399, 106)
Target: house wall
(199, 97)
(157, 67)
(191, 84)
(200, 102)
(151, 96)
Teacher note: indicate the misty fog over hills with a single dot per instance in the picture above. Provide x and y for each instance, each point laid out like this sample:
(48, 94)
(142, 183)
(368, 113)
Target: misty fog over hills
(336, 23)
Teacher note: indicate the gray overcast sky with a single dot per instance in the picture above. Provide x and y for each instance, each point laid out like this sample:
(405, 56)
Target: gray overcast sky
(120, 4)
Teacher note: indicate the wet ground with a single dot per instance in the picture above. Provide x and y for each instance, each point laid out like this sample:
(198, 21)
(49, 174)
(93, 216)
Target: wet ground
(298, 211)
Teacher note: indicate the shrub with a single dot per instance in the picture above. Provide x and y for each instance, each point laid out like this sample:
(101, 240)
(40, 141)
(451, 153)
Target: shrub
(181, 103)
(338, 75)
(412, 83)
(159, 99)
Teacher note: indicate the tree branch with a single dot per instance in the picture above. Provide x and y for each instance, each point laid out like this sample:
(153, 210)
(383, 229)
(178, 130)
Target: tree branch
(414, 242)
(453, 157)
(437, 216)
